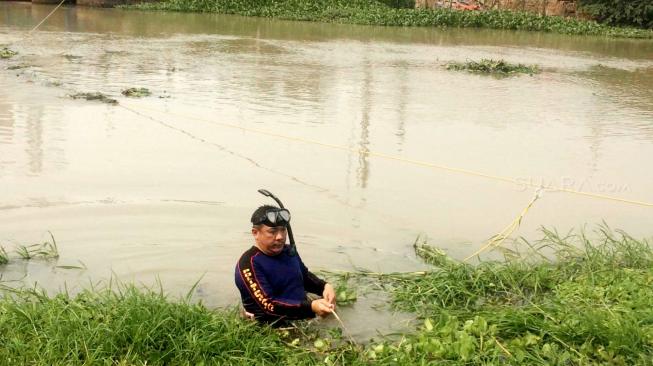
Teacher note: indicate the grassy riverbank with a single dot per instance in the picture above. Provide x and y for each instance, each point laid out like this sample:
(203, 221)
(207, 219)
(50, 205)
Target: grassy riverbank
(371, 12)
(567, 301)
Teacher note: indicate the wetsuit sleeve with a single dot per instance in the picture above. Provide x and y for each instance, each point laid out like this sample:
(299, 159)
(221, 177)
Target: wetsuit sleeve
(260, 290)
(312, 283)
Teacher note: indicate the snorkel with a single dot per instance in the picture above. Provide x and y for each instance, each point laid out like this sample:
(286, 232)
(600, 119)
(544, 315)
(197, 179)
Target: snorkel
(266, 193)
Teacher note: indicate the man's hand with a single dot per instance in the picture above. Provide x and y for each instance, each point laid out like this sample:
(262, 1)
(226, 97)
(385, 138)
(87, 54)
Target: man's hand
(329, 294)
(321, 307)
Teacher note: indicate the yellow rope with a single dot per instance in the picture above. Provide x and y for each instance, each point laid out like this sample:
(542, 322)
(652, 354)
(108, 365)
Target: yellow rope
(46, 17)
(396, 158)
(498, 239)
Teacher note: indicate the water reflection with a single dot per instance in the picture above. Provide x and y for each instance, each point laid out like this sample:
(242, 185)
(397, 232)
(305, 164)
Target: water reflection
(34, 138)
(402, 101)
(363, 170)
(30, 136)
(6, 122)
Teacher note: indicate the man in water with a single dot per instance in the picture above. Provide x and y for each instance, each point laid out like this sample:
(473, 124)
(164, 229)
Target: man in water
(272, 279)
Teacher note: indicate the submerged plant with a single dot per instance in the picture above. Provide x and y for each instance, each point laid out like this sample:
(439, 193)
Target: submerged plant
(94, 96)
(4, 257)
(24, 251)
(136, 92)
(70, 57)
(489, 66)
(17, 67)
(47, 250)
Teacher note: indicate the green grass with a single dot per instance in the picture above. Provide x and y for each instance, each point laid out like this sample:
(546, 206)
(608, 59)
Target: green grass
(497, 67)
(128, 326)
(565, 300)
(371, 12)
(585, 303)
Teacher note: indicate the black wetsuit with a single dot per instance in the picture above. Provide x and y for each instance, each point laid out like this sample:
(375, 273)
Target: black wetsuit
(274, 288)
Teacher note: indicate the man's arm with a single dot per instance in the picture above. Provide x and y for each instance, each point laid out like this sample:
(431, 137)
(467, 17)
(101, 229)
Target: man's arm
(312, 283)
(315, 285)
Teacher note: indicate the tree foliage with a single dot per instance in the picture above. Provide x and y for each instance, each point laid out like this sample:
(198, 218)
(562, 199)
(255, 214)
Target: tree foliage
(621, 12)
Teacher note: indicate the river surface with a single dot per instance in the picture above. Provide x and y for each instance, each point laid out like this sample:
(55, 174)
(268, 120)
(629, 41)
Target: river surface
(164, 187)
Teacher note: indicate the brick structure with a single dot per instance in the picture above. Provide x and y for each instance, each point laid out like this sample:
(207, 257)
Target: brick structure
(544, 7)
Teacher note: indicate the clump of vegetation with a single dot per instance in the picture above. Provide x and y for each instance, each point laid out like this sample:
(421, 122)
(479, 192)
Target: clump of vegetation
(136, 92)
(7, 53)
(489, 66)
(394, 13)
(55, 83)
(70, 57)
(95, 96)
(637, 13)
(585, 304)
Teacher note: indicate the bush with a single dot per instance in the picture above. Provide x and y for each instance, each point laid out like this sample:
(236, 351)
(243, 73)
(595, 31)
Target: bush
(621, 12)
(408, 4)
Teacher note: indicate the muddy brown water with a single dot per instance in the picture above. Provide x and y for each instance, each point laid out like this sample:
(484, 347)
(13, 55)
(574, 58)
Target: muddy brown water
(167, 192)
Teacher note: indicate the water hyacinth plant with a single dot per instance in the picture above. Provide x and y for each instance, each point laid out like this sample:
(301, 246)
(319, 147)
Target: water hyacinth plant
(345, 293)
(489, 66)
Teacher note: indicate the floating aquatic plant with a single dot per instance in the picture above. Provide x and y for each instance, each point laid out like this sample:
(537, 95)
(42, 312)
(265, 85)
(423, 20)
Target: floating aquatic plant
(136, 92)
(97, 96)
(489, 66)
(7, 53)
